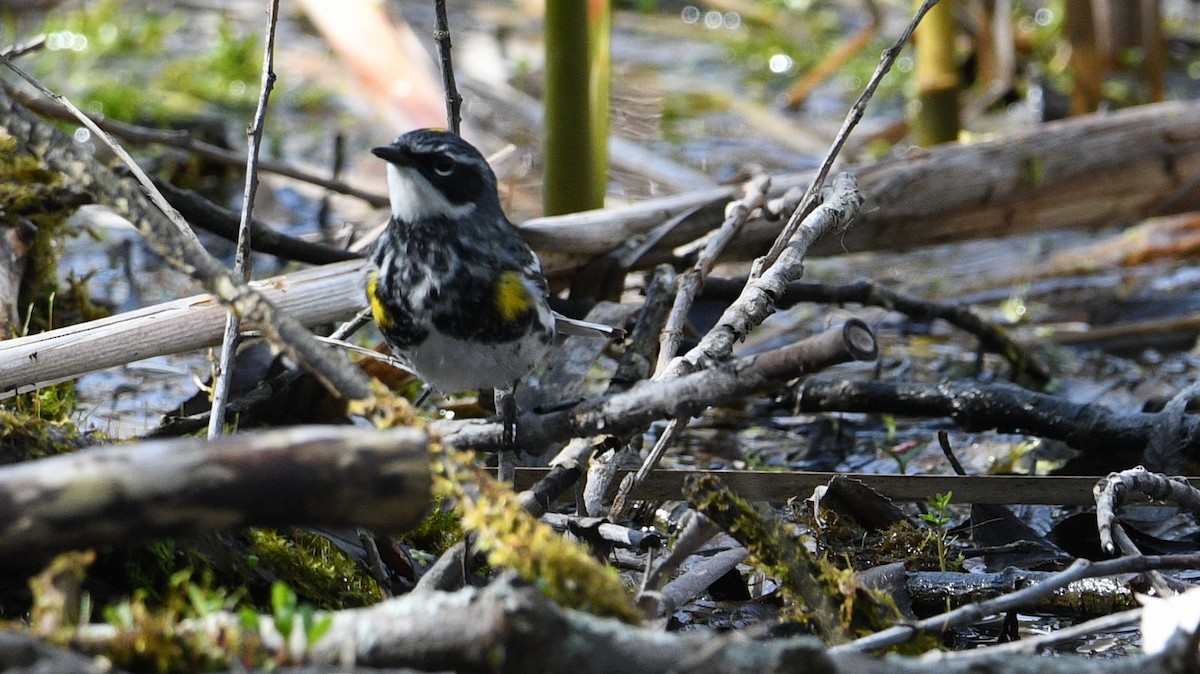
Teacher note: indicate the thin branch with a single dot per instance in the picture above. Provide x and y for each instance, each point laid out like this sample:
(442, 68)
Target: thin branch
(630, 411)
(23, 48)
(155, 196)
(1118, 437)
(184, 140)
(173, 239)
(1031, 645)
(689, 284)
(264, 238)
(755, 303)
(441, 33)
(1025, 362)
(241, 263)
(852, 118)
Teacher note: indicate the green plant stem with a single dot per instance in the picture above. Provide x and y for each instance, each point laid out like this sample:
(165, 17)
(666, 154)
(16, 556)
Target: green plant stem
(937, 116)
(568, 156)
(599, 79)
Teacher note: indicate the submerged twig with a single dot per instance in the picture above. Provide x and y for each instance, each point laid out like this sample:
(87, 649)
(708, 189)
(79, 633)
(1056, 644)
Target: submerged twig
(1027, 596)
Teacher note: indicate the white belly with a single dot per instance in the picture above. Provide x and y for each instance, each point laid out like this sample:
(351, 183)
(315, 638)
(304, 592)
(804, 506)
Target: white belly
(451, 365)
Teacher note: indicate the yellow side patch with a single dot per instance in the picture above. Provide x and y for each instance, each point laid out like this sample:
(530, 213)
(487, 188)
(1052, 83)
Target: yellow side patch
(378, 310)
(512, 299)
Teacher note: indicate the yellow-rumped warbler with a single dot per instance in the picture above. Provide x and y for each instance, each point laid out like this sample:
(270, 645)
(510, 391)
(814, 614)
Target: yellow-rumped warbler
(459, 297)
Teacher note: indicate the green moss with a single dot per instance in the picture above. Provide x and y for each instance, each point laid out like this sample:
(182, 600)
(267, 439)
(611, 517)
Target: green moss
(439, 530)
(313, 566)
(36, 424)
(34, 201)
(227, 73)
(149, 638)
(516, 541)
(818, 591)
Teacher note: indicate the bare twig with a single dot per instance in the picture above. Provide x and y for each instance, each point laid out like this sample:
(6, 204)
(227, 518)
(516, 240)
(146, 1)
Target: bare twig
(173, 240)
(630, 411)
(851, 121)
(993, 338)
(694, 531)
(23, 48)
(184, 140)
(441, 33)
(690, 283)
(1162, 586)
(241, 263)
(756, 300)
(263, 239)
(688, 286)
(755, 303)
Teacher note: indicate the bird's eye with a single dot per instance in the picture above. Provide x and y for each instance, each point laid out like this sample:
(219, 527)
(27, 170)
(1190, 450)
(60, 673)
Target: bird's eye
(443, 166)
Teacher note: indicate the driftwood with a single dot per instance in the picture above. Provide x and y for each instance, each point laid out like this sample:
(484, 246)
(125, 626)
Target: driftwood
(1093, 171)
(318, 475)
(314, 296)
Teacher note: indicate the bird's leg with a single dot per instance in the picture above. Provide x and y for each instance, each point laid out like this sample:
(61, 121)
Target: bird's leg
(423, 397)
(506, 406)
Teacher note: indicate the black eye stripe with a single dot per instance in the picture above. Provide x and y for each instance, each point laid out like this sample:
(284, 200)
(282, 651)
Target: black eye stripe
(444, 165)
(460, 180)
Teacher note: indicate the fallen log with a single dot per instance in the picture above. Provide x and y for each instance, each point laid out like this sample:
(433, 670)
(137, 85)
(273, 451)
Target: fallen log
(314, 297)
(305, 475)
(1092, 171)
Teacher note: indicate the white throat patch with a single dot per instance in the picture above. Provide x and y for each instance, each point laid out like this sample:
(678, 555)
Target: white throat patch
(414, 198)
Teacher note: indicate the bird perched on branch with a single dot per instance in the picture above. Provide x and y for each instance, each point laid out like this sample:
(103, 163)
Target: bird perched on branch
(459, 297)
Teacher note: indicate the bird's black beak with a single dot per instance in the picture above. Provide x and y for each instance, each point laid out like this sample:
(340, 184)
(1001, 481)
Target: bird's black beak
(393, 154)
